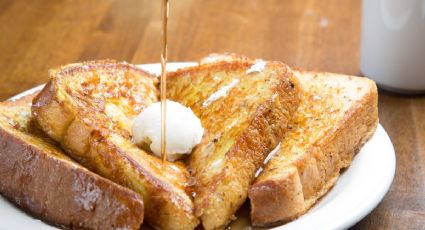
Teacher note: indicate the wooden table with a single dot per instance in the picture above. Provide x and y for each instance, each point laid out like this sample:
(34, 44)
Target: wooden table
(316, 35)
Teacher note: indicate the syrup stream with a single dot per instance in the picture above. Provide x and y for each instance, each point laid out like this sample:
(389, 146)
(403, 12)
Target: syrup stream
(164, 12)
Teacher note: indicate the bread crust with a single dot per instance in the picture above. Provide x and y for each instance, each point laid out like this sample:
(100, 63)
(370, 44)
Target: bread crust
(88, 108)
(40, 179)
(317, 166)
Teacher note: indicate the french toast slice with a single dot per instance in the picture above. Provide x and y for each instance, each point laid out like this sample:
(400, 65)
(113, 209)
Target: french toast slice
(89, 109)
(244, 107)
(337, 115)
(37, 176)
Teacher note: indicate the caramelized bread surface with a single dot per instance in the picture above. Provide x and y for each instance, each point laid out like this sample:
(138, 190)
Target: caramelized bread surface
(89, 108)
(245, 113)
(38, 177)
(337, 115)
(246, 106)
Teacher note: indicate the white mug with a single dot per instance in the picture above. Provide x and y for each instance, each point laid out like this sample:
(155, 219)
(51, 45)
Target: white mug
(393, 44)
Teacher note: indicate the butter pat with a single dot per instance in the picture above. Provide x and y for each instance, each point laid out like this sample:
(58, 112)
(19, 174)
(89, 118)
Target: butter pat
(184, 129)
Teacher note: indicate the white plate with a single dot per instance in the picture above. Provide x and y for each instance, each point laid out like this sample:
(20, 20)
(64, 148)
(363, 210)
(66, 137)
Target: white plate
(358, 191)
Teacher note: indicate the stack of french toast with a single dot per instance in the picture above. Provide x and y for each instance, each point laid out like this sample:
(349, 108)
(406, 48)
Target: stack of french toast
(278, 137)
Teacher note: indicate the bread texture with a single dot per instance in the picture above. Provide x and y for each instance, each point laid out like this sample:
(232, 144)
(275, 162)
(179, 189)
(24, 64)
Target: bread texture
(38, 177)
(244, 107)
(89, 109)
(316, 121)
(337, 115)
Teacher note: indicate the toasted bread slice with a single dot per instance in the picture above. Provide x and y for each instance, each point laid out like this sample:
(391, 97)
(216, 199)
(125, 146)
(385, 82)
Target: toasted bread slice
(337, 115)
(89, 108)
(38, 177)
(244, 108)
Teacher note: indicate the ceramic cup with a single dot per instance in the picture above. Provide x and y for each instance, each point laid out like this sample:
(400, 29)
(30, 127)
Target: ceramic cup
(393, 44)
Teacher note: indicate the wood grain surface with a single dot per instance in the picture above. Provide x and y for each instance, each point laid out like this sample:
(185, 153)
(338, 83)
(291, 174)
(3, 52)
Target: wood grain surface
(317, 35)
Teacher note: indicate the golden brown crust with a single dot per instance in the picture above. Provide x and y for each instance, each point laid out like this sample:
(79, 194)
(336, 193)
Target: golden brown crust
(39, 178)
(241, 128)
(272, 195)
(349, 118)
(285, 190)
(89, 111)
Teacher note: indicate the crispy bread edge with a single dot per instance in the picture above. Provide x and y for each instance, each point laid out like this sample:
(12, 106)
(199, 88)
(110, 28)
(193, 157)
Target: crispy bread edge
(58, 190)
(277, 201)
